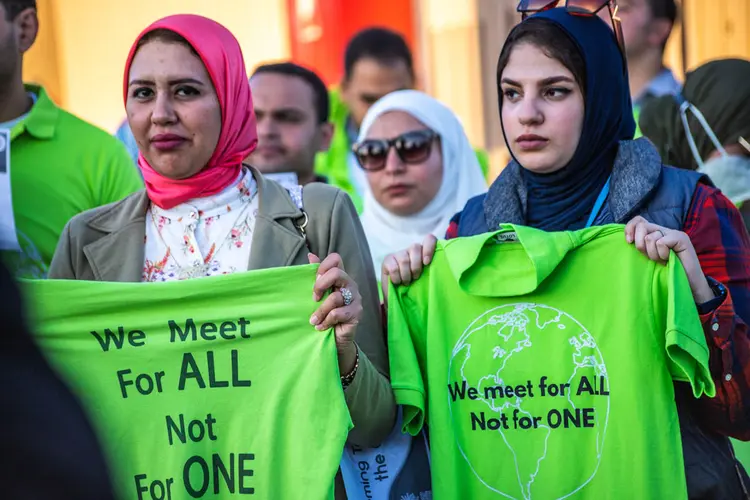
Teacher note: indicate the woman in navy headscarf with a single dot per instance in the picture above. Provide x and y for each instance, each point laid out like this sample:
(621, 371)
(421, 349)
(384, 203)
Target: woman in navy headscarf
(567, 120)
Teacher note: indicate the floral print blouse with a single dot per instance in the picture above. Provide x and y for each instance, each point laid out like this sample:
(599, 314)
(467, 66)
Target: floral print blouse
(204, 236)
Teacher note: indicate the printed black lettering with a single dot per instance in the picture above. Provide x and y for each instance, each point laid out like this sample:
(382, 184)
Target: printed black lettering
(144, 383)
(190, 370)
(584, 386)
(246, 472)
(175, 331)
(236, 382)
(458, 392)
(243, 323)
(196, 429)
(157, 490)
(212, 381)
(473, 393)
(589, 418)
(492, 424)
(604, 390)
(208, 328)
(226, 327)
(124, 383)
(136, 338)
(201, 490)
(227, 475)
(493, 392)
(179, 430)
(571, 418)
(138, 487)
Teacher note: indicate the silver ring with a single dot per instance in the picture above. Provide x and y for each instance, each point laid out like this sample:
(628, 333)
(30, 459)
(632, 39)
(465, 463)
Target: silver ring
(347, 295)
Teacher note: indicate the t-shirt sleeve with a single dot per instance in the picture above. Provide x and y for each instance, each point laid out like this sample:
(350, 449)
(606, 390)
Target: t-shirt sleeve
(119, 177)
(405, 344)
(685, 343)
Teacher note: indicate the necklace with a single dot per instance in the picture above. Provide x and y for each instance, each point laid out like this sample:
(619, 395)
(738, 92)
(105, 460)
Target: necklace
(200, 267)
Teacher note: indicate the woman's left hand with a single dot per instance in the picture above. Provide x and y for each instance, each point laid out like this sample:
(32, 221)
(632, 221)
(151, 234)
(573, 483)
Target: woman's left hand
(655, 242)
(334, 312)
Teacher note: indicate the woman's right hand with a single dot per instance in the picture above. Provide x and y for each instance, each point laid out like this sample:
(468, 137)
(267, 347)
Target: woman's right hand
(403, 267)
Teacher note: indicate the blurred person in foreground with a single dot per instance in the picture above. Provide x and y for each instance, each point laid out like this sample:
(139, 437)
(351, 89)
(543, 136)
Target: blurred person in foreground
(377, 61)
(420, 167)
(60, 165)
(291, 108)
(204, 213)
(715, 104)
(50, 449)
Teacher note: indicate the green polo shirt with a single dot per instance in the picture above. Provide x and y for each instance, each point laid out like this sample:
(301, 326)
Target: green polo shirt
(60, 166)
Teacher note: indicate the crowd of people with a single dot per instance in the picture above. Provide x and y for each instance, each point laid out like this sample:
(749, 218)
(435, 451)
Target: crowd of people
(215, 168)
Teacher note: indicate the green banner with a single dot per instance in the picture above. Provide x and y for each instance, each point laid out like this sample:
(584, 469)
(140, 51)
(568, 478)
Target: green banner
(208, 388)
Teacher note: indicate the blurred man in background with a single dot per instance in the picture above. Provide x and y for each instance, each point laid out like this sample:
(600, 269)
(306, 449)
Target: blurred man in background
(58, 164)
(377, 61)
(291, 108)
(646, 26)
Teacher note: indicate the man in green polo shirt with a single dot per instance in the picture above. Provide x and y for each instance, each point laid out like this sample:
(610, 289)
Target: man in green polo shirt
(59, 164)
(377, 61)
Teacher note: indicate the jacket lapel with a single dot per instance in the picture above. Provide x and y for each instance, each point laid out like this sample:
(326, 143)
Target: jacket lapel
(118, 256)
(276, 241)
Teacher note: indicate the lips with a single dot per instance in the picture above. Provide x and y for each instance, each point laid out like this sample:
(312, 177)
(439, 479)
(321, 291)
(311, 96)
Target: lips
(531, 142)
(167, 142)
(398, 189)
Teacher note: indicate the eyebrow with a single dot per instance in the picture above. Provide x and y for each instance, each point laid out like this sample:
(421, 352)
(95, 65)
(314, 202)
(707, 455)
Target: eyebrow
(278, 111)
(176, 81)
(375, 97)
(547, 81)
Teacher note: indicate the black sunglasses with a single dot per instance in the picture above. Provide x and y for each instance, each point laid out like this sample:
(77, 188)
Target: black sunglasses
(411, 147)
(576, 8)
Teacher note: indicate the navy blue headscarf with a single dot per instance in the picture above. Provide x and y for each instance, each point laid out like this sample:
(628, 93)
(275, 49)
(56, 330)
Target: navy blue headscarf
(563, 200)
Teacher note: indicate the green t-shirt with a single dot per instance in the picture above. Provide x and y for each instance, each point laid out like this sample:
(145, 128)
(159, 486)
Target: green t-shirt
(742, 452)
(544, 363)
(60, 166)
(202, 387)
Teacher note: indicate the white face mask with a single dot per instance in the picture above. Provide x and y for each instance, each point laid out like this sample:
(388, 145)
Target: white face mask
(731, 174)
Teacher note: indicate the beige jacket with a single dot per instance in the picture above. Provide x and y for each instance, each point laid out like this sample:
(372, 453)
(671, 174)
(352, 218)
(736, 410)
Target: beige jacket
(106, 244)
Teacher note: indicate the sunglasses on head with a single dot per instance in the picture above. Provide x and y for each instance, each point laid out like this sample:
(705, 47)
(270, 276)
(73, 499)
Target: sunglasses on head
(588, 8)
(411, 147)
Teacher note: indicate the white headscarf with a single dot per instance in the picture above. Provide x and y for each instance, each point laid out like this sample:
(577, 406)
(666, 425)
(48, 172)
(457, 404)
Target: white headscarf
(462, 178)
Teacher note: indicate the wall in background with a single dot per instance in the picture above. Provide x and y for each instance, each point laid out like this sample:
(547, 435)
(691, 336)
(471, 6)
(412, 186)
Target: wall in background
(81, 51)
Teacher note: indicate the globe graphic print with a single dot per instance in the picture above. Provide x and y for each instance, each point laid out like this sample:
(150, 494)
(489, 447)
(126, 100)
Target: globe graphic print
(528, 394)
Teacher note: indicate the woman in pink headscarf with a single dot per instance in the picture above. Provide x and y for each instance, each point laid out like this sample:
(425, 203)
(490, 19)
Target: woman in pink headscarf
(203, 212)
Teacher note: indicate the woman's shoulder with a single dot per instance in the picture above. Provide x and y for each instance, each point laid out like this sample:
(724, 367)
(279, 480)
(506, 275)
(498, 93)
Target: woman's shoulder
(107, 217)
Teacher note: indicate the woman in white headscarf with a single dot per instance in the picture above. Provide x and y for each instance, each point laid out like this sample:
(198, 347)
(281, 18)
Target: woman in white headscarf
(420, 167)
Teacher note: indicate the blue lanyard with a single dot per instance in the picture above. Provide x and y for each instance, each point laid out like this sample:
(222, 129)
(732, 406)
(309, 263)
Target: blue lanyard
(599, 203)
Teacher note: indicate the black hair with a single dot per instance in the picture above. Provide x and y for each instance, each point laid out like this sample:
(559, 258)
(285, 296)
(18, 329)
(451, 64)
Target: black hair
(664, 9)
(383, 45)
(15, 7)
(166, 36)
(550, 39)
(320, 92)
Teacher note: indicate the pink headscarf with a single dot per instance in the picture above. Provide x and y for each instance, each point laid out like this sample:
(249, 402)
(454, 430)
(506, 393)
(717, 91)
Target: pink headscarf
(222, 57)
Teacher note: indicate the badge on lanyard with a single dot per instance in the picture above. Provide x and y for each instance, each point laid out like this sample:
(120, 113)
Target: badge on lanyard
(8, 237)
